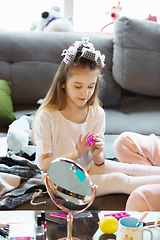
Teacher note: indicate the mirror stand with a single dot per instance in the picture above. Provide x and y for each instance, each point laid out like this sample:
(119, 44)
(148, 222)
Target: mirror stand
(79, 189)
(69, 228)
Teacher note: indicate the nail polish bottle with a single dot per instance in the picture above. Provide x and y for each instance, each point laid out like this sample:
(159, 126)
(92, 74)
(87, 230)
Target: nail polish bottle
(43, 220)
(39, 227)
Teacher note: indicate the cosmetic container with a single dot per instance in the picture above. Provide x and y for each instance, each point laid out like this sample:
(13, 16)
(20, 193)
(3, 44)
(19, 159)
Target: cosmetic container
(25, 231)
(39, 227)
(43, 220)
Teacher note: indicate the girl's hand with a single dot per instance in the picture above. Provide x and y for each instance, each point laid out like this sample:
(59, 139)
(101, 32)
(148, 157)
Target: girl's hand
(97, 147)
(82, 145)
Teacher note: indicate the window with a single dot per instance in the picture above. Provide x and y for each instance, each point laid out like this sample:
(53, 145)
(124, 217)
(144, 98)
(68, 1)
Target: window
(18, 15)
(88, 15)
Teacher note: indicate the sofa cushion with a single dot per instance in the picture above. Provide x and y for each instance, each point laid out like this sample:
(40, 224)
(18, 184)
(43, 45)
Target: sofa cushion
(31, 59)
(140, 115)
(6, 108)
(136, 56)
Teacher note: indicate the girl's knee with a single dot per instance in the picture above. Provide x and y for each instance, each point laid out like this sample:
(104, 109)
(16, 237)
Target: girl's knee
(133, 201)
(119, 181)
(137, 201)
(120, 142)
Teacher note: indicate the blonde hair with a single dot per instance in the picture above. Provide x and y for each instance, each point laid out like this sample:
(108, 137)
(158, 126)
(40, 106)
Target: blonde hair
(56, 97)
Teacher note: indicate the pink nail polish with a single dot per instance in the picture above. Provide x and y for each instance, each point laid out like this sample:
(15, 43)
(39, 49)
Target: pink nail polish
(90, 140)
(43, 220)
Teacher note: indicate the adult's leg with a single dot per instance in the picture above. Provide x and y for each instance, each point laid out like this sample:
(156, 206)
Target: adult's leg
(136, 148)
(144, 198)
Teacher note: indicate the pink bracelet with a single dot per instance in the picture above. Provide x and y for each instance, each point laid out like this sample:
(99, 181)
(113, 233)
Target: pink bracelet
(99, 164)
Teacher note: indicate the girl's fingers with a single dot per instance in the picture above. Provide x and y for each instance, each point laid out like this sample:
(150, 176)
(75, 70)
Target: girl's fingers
(98, 143)
(85, 137)
(96, 137)
(84, 140)
(79, 138)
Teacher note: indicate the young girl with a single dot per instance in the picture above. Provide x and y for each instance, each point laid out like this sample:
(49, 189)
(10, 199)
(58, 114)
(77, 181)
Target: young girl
(136, 148)
(71, 112)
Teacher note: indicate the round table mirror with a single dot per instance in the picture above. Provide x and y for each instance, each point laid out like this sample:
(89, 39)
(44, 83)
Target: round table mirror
(70, 188)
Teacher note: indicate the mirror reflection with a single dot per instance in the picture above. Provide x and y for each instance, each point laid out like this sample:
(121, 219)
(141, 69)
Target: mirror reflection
(69, 185)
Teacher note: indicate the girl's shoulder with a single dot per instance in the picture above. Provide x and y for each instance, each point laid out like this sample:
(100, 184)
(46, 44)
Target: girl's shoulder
(96, 110)
(46, 113)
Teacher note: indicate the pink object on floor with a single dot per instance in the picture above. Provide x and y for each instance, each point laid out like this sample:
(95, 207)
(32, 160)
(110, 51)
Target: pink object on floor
(118, 215)
(55, 214)
(90, 140)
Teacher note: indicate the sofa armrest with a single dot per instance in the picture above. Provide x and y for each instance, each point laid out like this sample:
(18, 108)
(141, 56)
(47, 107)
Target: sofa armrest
(136, 56)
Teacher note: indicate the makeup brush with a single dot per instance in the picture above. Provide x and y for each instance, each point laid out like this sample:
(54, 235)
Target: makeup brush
(149, 223)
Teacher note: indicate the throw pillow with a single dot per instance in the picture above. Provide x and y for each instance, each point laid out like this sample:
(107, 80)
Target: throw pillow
(6, 107)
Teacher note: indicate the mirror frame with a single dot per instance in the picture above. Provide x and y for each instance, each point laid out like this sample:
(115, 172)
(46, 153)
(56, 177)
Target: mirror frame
(52, 195)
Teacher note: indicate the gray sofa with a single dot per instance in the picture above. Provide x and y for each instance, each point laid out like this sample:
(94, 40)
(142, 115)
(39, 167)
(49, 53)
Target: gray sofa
(130, 97)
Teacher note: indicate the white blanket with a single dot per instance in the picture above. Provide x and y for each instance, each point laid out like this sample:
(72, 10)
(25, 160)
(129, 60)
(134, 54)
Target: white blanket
(8, 182)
